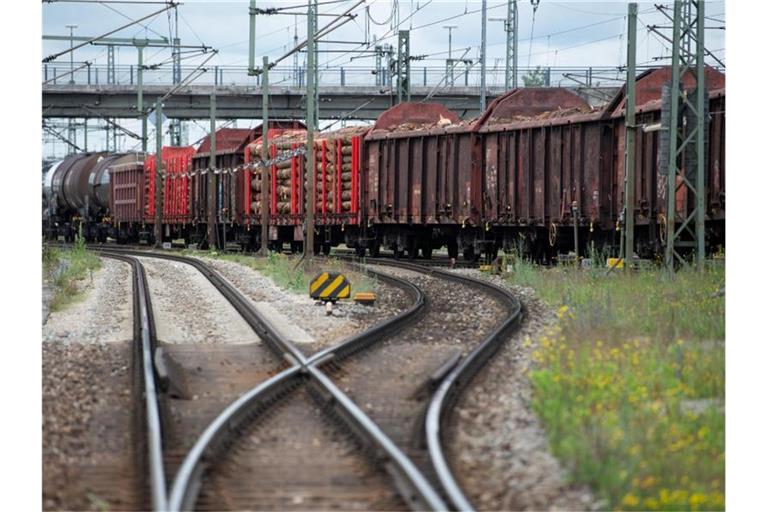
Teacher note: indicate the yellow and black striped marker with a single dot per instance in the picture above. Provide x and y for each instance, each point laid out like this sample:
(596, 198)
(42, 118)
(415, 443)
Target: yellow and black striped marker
(329, 286)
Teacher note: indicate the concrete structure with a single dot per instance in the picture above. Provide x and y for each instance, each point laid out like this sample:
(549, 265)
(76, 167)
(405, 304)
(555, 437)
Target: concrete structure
(244, 102)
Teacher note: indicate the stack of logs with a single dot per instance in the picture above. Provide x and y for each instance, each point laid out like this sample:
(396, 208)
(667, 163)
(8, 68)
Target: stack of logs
(338, 143)
(293, 139)
(283, 143)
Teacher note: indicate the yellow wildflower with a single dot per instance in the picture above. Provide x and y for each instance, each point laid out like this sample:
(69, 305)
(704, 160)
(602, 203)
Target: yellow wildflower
(630, 500)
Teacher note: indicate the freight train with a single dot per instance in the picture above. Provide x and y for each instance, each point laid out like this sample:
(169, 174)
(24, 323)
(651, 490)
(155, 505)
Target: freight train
(538, 169)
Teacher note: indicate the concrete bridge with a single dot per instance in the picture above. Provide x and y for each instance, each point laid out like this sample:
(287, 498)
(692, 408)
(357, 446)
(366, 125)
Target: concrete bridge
(244, 101)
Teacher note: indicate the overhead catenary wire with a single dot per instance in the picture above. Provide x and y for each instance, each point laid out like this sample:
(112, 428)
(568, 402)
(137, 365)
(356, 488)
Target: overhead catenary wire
(142, 25)
(445, 76)
(389, 34)
(320, 33)
(75, 47)
(535, 4)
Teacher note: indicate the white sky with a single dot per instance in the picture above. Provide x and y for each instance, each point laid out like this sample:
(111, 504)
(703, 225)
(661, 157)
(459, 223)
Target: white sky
(565, 33)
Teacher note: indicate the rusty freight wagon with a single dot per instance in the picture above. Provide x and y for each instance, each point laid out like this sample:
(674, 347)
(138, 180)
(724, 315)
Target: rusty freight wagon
(546, 164)
(650, 187)
(230, 146)
(419, 190)
(549, 164)
(475, 186)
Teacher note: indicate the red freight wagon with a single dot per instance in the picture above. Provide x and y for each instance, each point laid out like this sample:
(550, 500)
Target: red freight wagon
(338, 168)
(231, 202)
(177, 163)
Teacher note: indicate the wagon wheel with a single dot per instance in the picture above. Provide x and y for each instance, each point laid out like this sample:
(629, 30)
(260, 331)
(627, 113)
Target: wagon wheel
(412, 249)
(552, 234)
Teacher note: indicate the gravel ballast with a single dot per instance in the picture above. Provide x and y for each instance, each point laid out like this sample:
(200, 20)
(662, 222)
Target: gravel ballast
(348, 318)
(188, 309)
(499, 448)
(105, 313)
(88, 459)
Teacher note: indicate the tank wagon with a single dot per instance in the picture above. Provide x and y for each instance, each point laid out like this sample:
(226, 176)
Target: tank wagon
(535, 167)
(77, 195)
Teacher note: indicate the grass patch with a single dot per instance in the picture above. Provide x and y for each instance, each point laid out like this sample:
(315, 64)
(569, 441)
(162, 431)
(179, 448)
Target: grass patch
(289, 273)
(630, 383)
(65, 268)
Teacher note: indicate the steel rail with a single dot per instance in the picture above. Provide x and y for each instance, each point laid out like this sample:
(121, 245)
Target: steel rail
(412, 485)
(186, 485)
(144, 335)
(360, 341)
(451, 387)
(282, 348)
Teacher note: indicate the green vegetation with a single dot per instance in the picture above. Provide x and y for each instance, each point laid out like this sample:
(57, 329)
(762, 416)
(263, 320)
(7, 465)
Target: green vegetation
(292, 274)
(65, 268)
(630, 383)
(535, 78)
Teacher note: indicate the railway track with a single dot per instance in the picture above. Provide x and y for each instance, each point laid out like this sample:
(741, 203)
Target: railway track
(399, 431)
(147, 419)
(199, 474)
(446, 356)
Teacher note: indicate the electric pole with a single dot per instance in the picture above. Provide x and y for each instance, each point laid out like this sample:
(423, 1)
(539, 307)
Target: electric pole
(482, 55)
(403, 66)
(111, 64)
(140, 97)
(159, 175)
(296, 80)
(629, 131)
(309, 242)
(252, 38)
(71, 53)
(449, 62)
(212, 207)
(510, 27)
(264, 157)
(686, 162)
(176, 123)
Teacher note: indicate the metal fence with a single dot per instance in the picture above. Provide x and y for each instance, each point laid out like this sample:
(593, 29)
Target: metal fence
(460, 75)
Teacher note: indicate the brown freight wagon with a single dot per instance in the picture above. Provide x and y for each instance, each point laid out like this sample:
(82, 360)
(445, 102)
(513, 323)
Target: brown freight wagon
(476, 186)
(419, 190)
(127, 200)
(546, 160)
(230, 146)
(650, 188)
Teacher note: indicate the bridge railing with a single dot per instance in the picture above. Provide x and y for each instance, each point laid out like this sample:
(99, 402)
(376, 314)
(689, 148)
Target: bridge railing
(288, 76)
